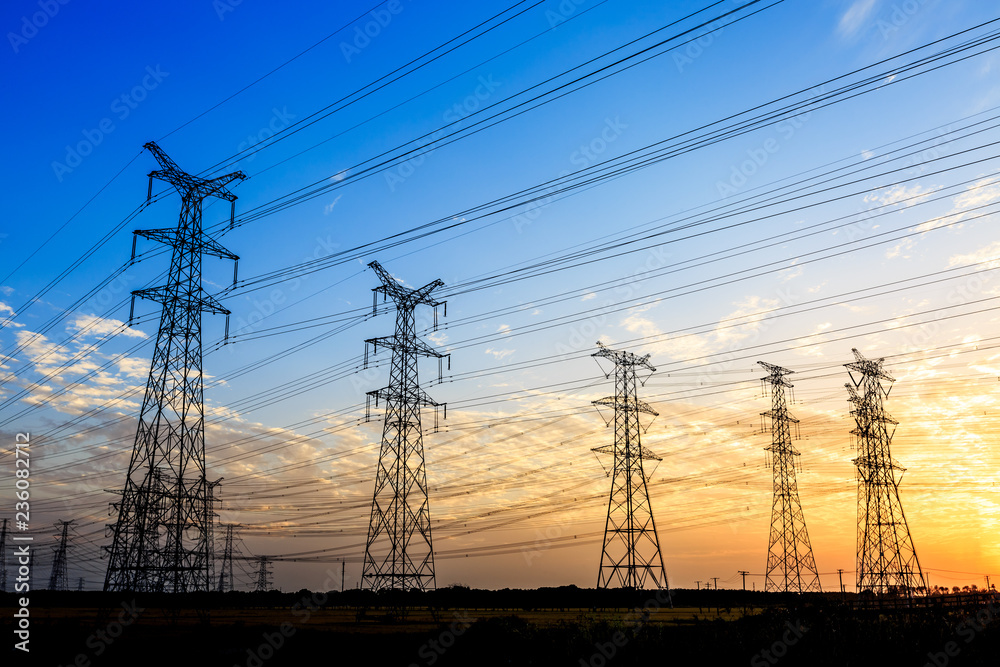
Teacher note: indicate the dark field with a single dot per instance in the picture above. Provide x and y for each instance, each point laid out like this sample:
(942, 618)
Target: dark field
(463, 627)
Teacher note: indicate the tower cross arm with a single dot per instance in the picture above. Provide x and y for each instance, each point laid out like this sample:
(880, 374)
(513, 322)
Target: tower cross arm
(205, 301)
(630, 403)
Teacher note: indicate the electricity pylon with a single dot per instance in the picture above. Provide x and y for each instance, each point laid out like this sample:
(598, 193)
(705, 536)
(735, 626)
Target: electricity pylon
(58, 579)
(790, 563)
(162, 537)
(631, 554)
(3, 557)
(887, 560)
(226, 570)
(399, 553)
(263, 584)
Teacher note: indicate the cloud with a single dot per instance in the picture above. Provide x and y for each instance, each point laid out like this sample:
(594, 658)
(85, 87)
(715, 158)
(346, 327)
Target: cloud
(588, 296)
(328, 209)
(855, 17)
(499, 354)
(92, 325)
(339, 176)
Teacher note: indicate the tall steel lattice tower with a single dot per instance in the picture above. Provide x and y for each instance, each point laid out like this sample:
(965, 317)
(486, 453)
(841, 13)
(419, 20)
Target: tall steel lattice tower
(162, 540)
(790, 563)
(59, 579)
(3, 557)
(226, 582)
(399, 553)
(631, 555)
(887, 561)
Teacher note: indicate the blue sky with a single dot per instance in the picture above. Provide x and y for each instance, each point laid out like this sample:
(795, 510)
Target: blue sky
(104, 81)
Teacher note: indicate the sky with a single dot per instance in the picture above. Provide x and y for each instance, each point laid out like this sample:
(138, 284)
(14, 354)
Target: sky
(712, 184)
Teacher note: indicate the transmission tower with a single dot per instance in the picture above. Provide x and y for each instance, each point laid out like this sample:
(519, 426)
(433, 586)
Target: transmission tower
(79, 584)
(887, 561)
(58, 580)
(162, 537)
(263, 574)
(3, 557)
(631, 555)
(399, 553)
(790, 563)
(226, 570)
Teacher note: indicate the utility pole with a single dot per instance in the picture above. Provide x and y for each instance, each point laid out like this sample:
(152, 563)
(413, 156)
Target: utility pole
(399, 553)
(790, 563)
(57, 580)
(840, 575)
(715, 580)
(343, 570)
(162, 538)
(744, 574)
(887, 560)
(631, 554)
(3, 557)
(697, 585)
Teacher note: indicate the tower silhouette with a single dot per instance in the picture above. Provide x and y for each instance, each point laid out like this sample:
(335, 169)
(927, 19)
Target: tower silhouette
(887, 561)
(162, 538)
(790, 563)
(263, 583)
(226, 582)
(631, 556)
(58, 580)
(399, 553)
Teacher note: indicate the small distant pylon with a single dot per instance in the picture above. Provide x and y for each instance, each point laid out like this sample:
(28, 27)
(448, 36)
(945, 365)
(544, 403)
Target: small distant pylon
(631, 555)
(226, 582)
(3, 557)
(79, 584)
(58, 578)
(791, 567)
(887, 560)
(263, 584)
(399, 554)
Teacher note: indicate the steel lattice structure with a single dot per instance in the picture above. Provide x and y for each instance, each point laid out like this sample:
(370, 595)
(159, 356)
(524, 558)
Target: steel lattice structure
(263, 583)
(887, 560)
(59, 578)
(162, 539)
(399, 553)
(226, 582)
(631, 556)
(790, 563)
